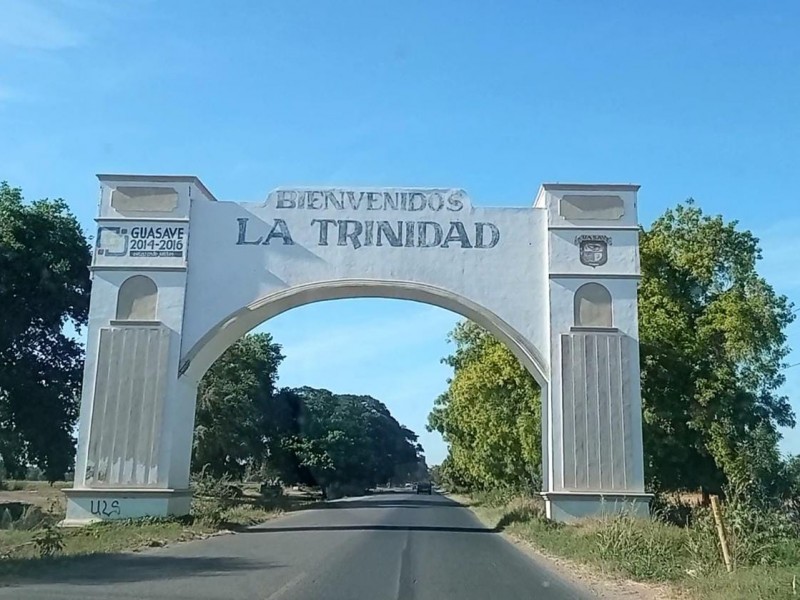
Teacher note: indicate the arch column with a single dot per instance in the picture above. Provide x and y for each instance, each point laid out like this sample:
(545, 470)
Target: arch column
(592, 431)
(134, 409)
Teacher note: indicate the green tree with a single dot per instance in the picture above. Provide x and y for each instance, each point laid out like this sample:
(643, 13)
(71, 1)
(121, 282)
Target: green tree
(241, 420)
(44, 284)
(712, 352)
(347, 440)
(490, 415)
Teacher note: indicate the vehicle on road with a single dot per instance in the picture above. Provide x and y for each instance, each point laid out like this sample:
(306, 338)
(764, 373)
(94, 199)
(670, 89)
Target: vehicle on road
(423, 487)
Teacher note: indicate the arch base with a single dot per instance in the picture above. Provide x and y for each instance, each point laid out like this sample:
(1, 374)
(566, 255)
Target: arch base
(90, 505)
(566, 507)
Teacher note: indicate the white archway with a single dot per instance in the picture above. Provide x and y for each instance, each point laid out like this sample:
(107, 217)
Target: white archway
(219, 269)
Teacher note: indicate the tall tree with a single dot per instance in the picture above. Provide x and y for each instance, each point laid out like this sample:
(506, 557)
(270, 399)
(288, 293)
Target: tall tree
(240, 418)
(712, 351)
(44, 284)
(344, 439)
(490, 415)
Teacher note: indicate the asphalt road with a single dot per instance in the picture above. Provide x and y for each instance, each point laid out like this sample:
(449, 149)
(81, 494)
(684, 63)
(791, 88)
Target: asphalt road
(380, 547)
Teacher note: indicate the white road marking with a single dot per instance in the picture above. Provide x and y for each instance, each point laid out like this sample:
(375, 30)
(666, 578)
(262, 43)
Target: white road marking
(287, 586)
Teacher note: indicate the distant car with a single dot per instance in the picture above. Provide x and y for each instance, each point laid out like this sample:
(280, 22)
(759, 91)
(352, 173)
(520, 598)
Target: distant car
(424, 487)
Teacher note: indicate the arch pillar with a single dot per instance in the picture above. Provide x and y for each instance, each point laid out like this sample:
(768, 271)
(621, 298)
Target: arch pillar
(592, 431)
(132, 402)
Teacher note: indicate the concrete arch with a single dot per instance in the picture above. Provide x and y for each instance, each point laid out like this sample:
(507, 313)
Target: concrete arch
(222, 268)
(201, 356)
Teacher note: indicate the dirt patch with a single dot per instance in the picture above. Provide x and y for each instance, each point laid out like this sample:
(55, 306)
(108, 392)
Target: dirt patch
(36, 493)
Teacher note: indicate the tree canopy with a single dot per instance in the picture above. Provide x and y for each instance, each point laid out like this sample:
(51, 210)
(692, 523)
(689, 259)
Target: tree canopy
(490, 415)
(240, 420)
(304, 435)
(713, 345)
(712, 353)
(44, 285)
(344, 439)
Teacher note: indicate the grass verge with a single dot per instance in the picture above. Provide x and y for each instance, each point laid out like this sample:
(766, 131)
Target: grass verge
(21, 553)
(686, 559)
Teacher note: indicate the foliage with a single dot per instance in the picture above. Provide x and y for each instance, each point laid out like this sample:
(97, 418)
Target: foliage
(712, 349)
(643, 549)
(219, 488)
(44, 284)
(490, 416)
(247, 428)
(209, 512)
(49, 541)
(271, 489)
(344, 440)
(766, 552)
(240, 418)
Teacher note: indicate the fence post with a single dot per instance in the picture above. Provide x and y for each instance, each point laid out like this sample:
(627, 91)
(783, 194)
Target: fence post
(726, 555)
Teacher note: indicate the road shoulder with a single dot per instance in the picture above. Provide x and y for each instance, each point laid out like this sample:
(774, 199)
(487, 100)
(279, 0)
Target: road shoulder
(578, 574)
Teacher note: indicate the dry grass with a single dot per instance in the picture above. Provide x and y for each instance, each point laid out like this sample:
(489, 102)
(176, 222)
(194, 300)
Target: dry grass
(684, 559)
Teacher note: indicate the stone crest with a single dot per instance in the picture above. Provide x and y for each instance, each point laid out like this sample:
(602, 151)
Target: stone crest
(593, 249)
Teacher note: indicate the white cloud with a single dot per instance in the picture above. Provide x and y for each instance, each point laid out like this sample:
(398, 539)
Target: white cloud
(35, 25)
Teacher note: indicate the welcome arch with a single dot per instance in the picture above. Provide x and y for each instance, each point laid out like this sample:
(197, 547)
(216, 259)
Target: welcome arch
(179, 276)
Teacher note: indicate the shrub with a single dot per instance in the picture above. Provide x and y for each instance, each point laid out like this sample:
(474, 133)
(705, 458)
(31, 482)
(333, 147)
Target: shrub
(672, 510)
(271, 489)
(49, 541)
(208, 512)
(496, 497)
(221, 489)
(760, 535)
(520, 510)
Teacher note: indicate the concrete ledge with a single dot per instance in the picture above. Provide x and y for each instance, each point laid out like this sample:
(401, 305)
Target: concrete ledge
(566, 507)
(89, 505)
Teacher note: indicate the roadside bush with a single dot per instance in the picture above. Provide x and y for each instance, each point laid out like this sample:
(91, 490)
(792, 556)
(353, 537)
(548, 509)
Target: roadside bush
(271, 489)
(760, 535)
(520, 510)
(221, 489)
(672, 510)
(49, 541)
(208, 512)
(499, 497)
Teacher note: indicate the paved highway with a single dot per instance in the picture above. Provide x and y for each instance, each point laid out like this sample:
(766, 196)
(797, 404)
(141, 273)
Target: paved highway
(380, 547)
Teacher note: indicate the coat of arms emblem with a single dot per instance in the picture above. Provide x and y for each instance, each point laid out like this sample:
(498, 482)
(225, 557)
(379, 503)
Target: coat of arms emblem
(593, 249)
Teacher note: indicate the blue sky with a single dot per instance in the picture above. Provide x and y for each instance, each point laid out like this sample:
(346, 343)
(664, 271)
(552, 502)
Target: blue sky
(686, 98)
